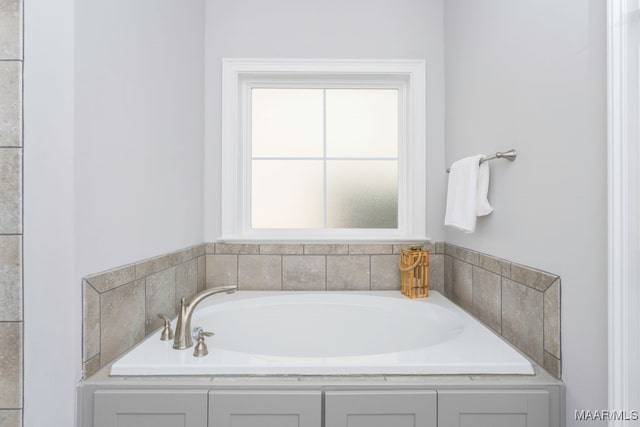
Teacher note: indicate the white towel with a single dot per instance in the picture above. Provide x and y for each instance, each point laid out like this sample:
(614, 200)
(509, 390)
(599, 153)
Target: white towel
(467, 193)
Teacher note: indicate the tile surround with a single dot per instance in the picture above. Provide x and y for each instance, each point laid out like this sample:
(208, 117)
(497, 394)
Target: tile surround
(487, 297)
(522, 316)
(11, 161)
(120, 306)
(384, 273)
(186, 281)
(462, 287)
(304, 273)
(315, 266)
(90, 322)
(160, 297)
(518, 302)
(221, 270)
(552, 319)
(259, 272)
(348, 272)
(122, 323)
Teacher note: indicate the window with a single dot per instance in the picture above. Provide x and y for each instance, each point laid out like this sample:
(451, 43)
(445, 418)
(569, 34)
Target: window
(324, 158)
(323, 149)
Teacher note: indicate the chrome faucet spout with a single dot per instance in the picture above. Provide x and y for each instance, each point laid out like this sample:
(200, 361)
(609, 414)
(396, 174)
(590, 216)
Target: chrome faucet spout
(182, 335)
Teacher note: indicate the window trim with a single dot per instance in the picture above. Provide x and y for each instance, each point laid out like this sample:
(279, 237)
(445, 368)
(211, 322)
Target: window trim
(623, 61)
(240, 74)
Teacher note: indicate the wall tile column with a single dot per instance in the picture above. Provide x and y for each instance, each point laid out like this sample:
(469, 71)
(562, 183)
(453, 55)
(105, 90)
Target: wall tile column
(11, 317)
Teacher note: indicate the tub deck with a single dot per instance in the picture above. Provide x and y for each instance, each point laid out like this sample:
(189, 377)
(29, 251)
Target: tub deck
(331, 333)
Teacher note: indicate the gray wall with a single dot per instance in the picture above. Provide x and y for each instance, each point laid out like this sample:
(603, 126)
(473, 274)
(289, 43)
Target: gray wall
(49, 288)
(139, 94)
(113, 164)
(531, 76)
(11, 227)
(371, 29)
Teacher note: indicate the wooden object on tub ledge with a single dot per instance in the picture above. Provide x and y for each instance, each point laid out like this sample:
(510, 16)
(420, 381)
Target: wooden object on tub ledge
(414, 272)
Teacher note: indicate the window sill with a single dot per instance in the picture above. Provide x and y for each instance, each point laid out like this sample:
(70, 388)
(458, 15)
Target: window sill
(329, 240)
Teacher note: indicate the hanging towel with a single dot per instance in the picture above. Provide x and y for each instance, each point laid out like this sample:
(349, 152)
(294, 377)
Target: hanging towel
(467, 193)
(482, 202)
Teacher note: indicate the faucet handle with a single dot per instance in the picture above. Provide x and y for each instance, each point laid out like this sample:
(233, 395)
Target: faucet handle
(167, 332)
(195, 332)
(201, 347)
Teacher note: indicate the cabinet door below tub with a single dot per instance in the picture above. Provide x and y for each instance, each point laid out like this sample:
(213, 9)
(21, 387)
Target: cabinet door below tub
(265, 408)
(150, 408)
(410, 408)
(493, 408)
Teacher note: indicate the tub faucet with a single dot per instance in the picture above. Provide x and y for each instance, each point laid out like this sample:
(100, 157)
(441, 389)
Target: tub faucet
(182, 336)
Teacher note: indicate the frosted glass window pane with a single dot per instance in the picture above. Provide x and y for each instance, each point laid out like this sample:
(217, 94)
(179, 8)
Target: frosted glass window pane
(362, 194)
(286, 122)
(287, 194)
(362, 122)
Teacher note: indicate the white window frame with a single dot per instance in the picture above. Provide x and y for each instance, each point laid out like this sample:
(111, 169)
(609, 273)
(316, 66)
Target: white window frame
(240, 75)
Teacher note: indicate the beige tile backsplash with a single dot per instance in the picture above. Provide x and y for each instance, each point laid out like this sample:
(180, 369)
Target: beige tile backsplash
(522, 316)
(120, 306)
(518, 302)
(122, 323)
(304, 273)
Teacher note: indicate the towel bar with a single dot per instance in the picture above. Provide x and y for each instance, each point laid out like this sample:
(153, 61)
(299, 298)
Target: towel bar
(509, 155)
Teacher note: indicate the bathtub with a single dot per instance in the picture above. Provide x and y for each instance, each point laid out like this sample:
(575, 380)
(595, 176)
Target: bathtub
(330, 333)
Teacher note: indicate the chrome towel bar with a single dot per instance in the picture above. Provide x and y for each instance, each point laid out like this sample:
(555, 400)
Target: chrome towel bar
(509, 155)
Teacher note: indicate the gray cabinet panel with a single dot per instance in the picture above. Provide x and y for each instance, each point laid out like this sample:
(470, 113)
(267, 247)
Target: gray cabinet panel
(413, 408)
(493, 408)
(231, 408)
(150, 408)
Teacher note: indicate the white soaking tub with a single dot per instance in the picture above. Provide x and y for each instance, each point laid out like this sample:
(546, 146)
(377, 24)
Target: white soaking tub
(330, 333)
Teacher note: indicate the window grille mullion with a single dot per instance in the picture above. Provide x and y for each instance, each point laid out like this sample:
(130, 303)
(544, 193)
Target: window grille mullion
(324, 157)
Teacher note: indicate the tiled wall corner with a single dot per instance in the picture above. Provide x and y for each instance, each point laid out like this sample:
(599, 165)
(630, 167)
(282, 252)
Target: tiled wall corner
(519, 302)
(11, 166)
(317, 266)
(120, 306)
